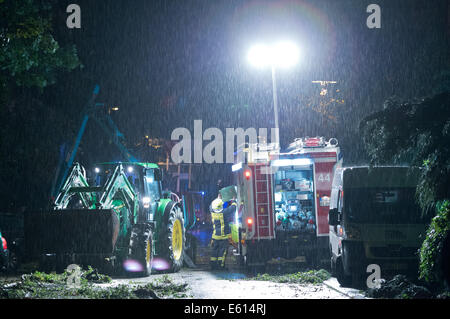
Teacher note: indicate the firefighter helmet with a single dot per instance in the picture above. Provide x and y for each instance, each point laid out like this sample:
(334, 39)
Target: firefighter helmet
(217, 205)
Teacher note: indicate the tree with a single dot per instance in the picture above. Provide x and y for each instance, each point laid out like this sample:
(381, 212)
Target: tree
(415, 133)
(29, 54)
(30, 60)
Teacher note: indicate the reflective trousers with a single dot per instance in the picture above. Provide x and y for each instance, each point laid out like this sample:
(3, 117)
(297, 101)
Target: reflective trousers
(219, 250)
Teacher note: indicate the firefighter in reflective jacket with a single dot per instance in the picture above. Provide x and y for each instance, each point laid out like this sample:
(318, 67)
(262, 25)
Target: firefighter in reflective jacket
(221, 215)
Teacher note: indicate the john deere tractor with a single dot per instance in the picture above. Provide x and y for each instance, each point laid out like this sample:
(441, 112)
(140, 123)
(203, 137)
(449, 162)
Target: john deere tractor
(115, 217)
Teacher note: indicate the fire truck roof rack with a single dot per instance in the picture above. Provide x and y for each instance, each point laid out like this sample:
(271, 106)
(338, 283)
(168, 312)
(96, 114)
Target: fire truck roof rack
(263, 152)
(255, 152)
(311, 142)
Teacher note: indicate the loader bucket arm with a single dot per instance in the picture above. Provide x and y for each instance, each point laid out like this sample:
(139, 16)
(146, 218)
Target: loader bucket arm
(118, 186)
(100, 226)
(77, 178)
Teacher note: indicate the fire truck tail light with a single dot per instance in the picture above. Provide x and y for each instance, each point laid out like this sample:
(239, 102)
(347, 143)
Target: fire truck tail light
(247, 174)
(249, 224)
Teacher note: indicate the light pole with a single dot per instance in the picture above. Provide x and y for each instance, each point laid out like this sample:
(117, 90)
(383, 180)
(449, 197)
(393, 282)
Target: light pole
(279, 55)
(275, 107)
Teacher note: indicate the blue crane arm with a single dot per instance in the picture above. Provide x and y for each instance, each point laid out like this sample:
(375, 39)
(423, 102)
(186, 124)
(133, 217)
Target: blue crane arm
(108, 127)
(60, 178)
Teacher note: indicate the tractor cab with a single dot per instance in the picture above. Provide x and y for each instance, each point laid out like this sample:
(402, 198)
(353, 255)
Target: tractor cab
(144, 179)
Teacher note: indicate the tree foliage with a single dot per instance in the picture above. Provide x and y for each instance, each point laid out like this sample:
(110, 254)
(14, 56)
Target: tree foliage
(431, 251)
(415, 133)
(29, 54)
(30, 59)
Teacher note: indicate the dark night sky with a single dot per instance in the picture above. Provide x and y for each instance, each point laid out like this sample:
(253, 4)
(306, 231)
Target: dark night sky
(166, 63)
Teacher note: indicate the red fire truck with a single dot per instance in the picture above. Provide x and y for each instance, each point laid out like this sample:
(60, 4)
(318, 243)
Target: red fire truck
(284, 201)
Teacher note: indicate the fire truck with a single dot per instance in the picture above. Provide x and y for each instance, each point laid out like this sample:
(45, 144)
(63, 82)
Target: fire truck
(283, 201)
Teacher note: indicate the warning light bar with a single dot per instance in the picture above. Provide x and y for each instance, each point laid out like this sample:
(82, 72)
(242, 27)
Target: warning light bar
(313, 142)
(292, 162)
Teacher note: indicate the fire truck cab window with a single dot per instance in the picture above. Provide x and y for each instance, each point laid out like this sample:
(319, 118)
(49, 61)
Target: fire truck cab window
(294, 200)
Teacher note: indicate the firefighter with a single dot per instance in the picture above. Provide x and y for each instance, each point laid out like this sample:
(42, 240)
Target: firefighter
(221, 215)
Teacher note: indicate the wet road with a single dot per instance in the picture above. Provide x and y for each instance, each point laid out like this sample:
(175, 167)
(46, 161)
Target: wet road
(204, 284)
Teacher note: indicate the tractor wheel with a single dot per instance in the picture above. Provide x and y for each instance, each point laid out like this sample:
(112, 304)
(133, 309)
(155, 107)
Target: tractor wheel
(140, 249)
(172, 241)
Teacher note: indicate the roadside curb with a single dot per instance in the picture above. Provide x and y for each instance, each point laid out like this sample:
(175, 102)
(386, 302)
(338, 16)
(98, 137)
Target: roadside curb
(347, 294)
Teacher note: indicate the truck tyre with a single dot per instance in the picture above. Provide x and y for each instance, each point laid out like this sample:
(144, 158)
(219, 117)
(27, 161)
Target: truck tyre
(343, 279)
(172, 239)
(252, 263)
(333, 266)
(141, 248)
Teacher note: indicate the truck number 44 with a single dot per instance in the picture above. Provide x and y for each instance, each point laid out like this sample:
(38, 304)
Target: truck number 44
(324, 178)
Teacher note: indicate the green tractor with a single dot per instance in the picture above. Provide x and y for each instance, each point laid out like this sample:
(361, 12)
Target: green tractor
(116, 219)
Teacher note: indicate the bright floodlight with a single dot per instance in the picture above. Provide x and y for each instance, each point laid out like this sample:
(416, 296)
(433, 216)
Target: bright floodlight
(259, 55)
(285, 54)
(282, 54)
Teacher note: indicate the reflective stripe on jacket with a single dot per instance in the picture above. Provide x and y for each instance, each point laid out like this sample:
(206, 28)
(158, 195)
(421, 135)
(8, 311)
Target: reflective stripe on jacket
(221, 220)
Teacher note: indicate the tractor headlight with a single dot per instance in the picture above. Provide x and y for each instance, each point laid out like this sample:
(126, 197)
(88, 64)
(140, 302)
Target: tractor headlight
(146, 201)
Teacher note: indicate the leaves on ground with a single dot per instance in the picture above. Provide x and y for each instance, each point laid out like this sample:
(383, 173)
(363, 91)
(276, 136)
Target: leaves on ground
(307, 277)
(400, 287)
(39, 285)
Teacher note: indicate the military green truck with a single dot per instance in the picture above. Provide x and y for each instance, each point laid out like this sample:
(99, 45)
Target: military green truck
(113, 217)
(374, 219)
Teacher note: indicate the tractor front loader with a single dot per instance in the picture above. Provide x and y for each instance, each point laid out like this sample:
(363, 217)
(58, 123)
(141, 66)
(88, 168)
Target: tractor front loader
(115, 219)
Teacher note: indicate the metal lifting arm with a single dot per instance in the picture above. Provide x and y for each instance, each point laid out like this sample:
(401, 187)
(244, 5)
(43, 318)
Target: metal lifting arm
(77, 178)
(117, 187)
(119, 184)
